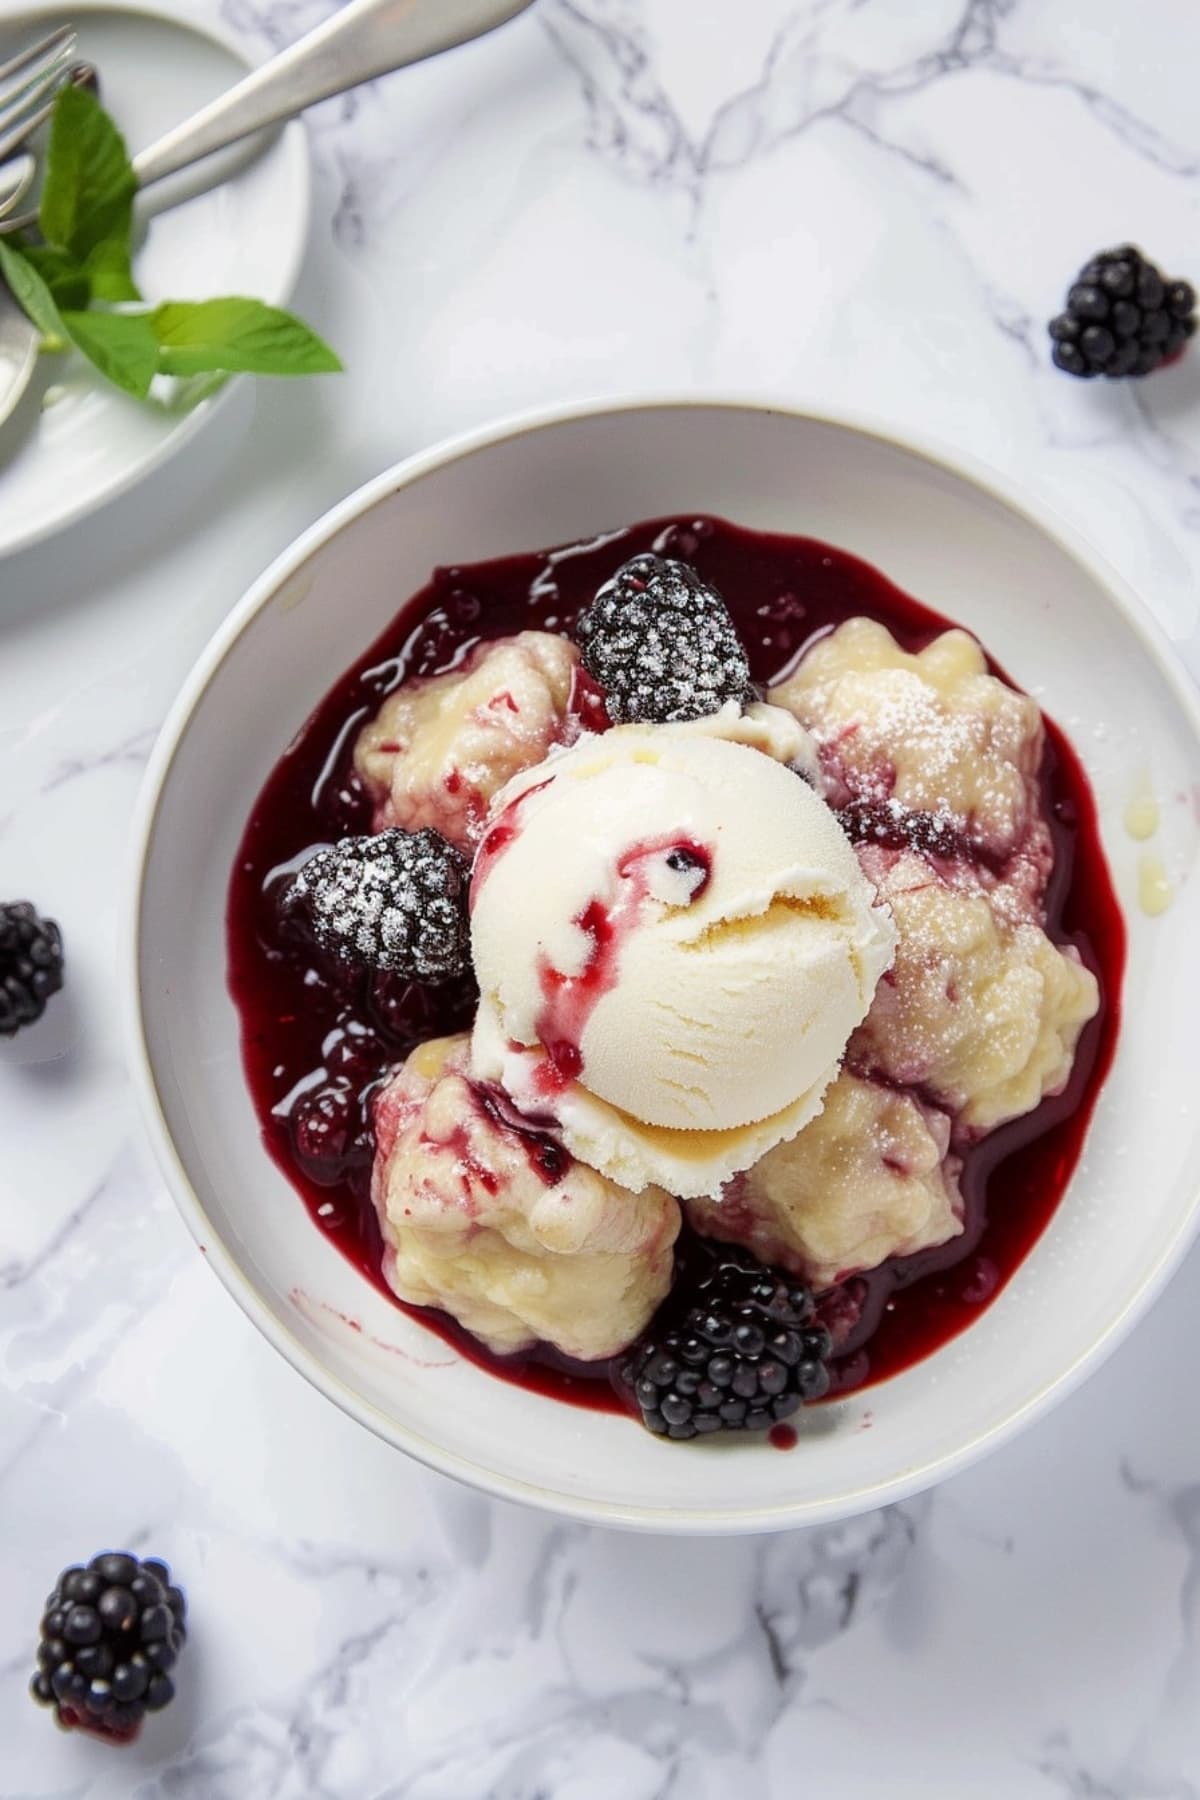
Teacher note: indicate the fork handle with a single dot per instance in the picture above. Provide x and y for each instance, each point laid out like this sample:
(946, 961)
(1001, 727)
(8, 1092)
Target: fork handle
(365, 39)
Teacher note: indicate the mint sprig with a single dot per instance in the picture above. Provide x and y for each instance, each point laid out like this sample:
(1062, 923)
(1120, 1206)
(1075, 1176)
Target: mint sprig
(121, 345)
(86, 209)
(240, 336)
(32, 295)
(71, 283)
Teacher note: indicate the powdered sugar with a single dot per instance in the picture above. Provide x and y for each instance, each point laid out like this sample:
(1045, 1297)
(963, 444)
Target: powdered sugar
(932, 765)
(395, 901)
(662, 645)
(934, 732)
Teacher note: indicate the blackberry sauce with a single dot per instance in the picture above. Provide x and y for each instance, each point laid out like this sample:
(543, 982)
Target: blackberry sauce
(316, 1039)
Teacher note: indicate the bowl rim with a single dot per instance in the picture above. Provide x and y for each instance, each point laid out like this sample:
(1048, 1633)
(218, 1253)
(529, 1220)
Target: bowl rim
(996, 487)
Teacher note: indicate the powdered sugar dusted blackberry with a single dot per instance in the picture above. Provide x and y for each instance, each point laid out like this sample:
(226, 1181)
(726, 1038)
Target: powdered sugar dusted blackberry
(396, 901)
(662, 644)
(895, 826)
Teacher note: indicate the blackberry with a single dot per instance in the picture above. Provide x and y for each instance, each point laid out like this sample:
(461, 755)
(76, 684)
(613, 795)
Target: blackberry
(1123, 317)
(407, 1013)
(394, 901)
(110, 1634)
(662, 645)
(353, 1052)
(895, 827)
(31, 965)
(330, 1133)
(738, 1350)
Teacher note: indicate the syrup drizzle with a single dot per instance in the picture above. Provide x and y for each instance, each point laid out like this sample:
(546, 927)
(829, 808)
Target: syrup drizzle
(569, 1000)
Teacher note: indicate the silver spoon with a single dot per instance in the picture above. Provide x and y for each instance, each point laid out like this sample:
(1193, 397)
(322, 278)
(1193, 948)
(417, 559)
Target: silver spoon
(16, 179)
(18, 352)
(366, 39)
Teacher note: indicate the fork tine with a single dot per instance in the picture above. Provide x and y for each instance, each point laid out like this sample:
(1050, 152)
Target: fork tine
(59, 43)
(15, 105)
(13, 134)
(31, 79)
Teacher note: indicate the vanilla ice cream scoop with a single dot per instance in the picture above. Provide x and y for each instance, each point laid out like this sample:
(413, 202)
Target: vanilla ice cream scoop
(673, 942)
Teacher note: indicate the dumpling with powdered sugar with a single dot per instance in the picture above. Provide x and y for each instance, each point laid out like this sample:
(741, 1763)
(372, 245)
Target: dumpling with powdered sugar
(980, 1009)
(932, 732)
(440, 747)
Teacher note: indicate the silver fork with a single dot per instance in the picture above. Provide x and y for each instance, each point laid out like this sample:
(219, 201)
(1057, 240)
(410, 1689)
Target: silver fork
(17, 173)
(29, 82)
(365, 39)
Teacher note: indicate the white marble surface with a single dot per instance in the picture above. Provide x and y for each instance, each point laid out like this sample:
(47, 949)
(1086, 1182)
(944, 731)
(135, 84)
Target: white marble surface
(836, 201)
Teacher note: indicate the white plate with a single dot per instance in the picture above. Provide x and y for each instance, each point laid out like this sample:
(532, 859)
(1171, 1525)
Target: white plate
(74, 442)
(1053, 613)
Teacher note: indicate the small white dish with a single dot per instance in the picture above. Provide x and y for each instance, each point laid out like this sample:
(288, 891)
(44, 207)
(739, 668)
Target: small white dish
(1057, 618)
(75, 442)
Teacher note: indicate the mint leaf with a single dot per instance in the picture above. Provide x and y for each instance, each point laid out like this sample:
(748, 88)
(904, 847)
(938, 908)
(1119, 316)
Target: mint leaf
(107, 273)
(123, 346)
(86, 220)
(32, 295)
(87, 196)
(238, 336)
(68, 283)
(86, 212)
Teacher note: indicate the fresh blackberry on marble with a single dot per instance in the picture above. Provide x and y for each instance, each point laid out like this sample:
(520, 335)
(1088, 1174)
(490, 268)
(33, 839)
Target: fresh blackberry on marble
(394, 901)
(660, 642)
(737, 1349)
(31, 965)
(110, 1633)
(1123, 317)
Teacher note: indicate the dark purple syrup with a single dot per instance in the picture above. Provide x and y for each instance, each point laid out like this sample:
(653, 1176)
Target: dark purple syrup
(311, 1029)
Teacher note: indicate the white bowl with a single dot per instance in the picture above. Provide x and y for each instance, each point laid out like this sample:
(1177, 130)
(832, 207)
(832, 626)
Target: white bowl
(1060, 622)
